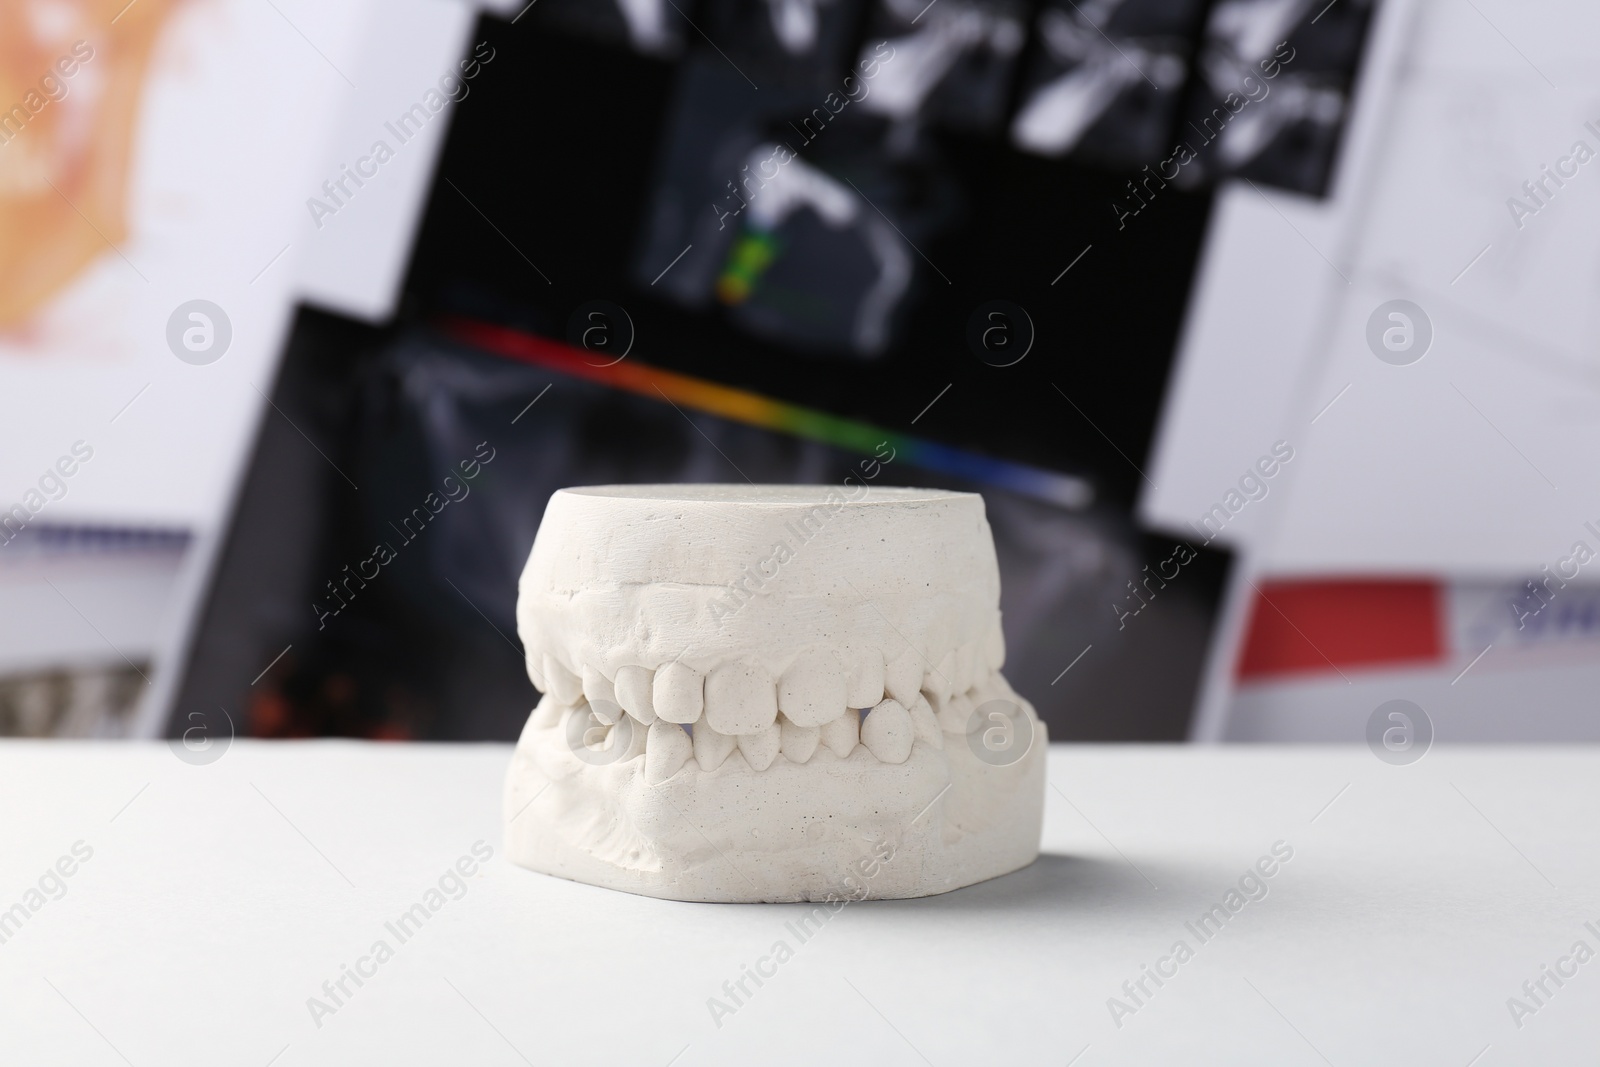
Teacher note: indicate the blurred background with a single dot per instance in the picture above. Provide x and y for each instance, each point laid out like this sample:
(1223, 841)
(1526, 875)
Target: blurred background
(1264, 327)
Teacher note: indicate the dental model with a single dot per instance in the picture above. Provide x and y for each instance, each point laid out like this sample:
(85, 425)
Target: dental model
(770, 693)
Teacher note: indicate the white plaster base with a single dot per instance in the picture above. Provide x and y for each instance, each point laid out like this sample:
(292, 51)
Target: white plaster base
(792, 832)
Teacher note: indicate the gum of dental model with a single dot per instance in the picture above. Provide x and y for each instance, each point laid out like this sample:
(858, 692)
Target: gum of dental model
(781, 677)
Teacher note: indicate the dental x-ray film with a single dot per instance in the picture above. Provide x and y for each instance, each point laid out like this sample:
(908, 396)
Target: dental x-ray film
(1272, 91)
(953, 61)
(1105, 79)
(780, 209)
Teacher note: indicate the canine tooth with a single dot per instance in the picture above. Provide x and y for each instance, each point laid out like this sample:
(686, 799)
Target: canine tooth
(740, 699)
(903, 676)
(564, 685)
(923, 723)
(666, 750)
(797, 742)
(536, 671)
(812, 690)
(633, 693)
(606, 711)
(887, 732)
(866, 681)
(994, 648)
(710, 747)
(760, 749)
(840, 735)
(597, 686)
(678, 693)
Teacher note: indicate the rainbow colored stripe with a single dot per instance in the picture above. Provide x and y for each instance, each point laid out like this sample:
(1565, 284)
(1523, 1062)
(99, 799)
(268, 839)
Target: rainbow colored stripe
(753, 409)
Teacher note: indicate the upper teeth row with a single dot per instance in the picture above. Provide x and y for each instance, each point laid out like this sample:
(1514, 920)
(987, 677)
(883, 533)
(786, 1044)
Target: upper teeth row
(738, 698)
(887, 731)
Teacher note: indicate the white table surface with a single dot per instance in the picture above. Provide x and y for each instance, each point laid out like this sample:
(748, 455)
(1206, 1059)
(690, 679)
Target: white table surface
(218, 899)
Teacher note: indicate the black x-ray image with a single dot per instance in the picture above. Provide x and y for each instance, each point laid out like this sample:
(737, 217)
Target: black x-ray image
(1272, 94)
(953, 61)
(1106, 79)
(781, 209)
(786, 42)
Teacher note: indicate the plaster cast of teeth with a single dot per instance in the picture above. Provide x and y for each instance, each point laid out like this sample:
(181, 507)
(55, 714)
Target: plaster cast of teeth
(606, 711)
(760, 749)
(678, 694)
(745, 755)
(797, 742)
(633, 685)
(740, 699)
(942, 678)
(966, 666)
(813, 688)
(840, 735)
(994, 649)
(667, 749)
(711, 747)
(903, 676)
(597, 688)
(886, 731)
(866, 681)
(565, 686)
(923, 722)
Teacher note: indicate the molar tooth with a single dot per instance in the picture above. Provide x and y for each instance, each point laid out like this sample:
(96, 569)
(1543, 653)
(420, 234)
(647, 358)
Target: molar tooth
(797, 742)
(564, 685)
(887, 732)
(760, 749)
(678, 693)
(633, 693)
(710, 747)
(924, 724)
(994, 648)
(866, 683)
(666, 750)
(903, 676)
(840, 735)
(740, 699)
(812, 690)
